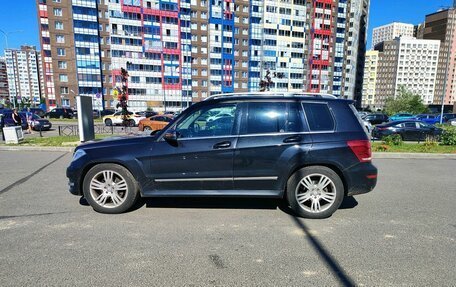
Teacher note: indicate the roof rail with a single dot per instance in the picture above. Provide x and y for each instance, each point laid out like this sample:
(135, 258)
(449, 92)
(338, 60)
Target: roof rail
(284, 94)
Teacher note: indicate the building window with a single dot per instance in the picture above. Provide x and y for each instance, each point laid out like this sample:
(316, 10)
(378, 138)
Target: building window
(58, 25)
(57, 1)
(60, 39)
(60, 52)
(62, 64)
(63, 90)
(58, 12)
(63, 78)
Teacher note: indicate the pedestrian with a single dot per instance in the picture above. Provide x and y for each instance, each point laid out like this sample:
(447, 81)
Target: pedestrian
(16, 118)
(29, 118)
(2, 125)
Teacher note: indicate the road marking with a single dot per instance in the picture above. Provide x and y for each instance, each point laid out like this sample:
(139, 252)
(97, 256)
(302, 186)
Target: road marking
(24, 179)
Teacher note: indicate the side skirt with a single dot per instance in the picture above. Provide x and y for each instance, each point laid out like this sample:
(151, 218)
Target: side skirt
(214, 193)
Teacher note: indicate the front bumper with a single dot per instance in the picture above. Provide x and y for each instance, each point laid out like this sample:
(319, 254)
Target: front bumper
(361, 178)
(73, 180)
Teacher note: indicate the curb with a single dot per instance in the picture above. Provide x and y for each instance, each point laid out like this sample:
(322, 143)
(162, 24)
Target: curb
(36, 148)
(375, 155)
(405, 155)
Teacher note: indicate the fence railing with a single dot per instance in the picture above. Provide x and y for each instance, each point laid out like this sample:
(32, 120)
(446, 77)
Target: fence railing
(73, 130)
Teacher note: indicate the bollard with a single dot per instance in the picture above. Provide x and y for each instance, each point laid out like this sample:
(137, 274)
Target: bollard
(60, 132)
(41, 135)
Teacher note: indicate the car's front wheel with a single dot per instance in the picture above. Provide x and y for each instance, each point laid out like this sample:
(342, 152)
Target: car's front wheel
(110, 188)
(108, 122)
(315, 192)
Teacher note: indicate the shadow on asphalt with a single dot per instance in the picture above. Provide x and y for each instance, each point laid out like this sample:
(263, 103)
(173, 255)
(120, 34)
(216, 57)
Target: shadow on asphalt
(221, 203)
(332, 264)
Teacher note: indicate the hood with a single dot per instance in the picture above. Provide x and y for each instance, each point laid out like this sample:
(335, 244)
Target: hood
(114, 140)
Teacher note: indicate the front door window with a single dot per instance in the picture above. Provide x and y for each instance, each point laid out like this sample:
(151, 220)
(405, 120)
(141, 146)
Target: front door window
(208, 122)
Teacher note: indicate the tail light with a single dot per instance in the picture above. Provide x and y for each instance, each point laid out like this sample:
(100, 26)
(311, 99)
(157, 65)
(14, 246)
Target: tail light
(382, 129)
(362, 149)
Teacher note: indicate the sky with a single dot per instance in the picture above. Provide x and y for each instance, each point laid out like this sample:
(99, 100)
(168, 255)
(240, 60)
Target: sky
(19, 18)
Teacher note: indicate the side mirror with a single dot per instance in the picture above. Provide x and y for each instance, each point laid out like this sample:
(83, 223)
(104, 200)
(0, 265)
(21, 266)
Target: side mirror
(171, 138)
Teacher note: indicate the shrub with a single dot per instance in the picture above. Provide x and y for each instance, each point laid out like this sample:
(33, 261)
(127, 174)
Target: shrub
(430, 143)
(382, 147)
(392, 140)
(448, 136)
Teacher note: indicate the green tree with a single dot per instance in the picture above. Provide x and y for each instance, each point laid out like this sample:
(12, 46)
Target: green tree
(405, 102)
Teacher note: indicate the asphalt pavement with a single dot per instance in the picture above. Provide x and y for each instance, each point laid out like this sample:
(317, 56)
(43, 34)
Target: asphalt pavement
(402, 233)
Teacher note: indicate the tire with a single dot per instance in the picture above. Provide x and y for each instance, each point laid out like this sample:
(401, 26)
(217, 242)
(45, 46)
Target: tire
(106, 197)
(147, 128)
(131, 123)
(315, 202)
(108, 122)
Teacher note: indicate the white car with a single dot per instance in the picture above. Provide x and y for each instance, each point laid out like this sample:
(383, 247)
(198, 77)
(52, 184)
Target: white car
(452, 122)
(116, 119)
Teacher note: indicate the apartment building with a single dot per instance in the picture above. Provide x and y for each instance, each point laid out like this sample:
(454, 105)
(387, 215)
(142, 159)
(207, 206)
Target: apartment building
(75, 51)
(391, 31)
(23, 75)
(407, 62)
(370, 79)
(4, 92)
(181, 51)
(441, 26)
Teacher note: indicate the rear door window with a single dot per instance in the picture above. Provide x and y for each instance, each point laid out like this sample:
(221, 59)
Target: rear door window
(319, 117)
(270, 117)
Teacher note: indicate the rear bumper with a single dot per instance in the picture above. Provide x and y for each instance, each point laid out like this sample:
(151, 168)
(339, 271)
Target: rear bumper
(361, 178)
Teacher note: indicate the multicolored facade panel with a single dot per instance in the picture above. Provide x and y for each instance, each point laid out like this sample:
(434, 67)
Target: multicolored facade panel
(321, 46)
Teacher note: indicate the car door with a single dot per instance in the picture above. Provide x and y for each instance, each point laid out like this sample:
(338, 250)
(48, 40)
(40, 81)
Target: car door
(117, 118)
(411, 131)
(201, 160)
(268, 137)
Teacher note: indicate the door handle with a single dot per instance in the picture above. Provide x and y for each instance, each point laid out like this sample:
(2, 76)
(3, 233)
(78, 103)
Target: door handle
(292, 139)
(221, 145)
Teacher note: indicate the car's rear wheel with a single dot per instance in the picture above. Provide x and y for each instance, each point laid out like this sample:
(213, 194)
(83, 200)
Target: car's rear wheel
(108, 122)
(110, 188)
(131, 123)
(315, 192)
(147, 128)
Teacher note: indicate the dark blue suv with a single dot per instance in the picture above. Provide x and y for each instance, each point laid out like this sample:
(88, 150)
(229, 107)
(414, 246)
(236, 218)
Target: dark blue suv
(310, 149)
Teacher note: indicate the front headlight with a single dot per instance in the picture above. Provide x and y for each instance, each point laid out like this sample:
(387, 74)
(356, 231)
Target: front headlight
(78, 154)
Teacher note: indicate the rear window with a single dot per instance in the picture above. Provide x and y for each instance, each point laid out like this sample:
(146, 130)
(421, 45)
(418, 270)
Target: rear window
(319, 117)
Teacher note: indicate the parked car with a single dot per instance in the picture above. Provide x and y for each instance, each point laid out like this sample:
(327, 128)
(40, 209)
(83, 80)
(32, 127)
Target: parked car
(154, 123)
(426, 118)
(9, 119)
(36, 111)
(401, 117)
(409, 130)
(147, 114)
(60, 113)
(376, 119)
(311, 150)
(452, 122)
(447, 117)
(116, 119)
(38, 123)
